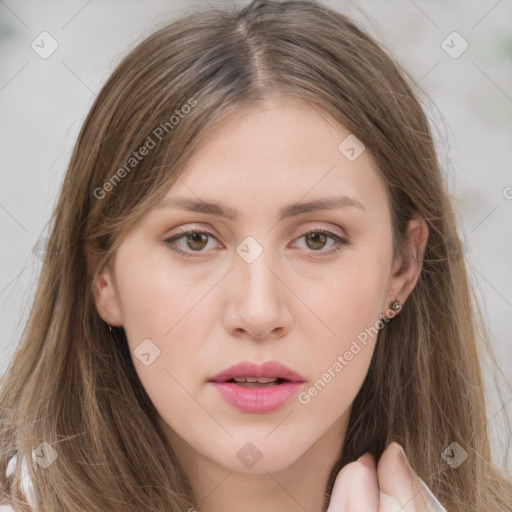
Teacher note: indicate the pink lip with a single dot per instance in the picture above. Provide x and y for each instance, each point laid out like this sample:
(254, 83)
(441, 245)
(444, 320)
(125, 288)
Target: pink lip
(268, 369)
(258, 400)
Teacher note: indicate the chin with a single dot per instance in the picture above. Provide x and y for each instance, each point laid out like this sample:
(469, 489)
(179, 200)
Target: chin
(258, 457)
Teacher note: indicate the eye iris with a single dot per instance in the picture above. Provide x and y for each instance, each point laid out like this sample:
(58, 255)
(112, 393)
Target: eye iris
(197, 238)
(317, 238)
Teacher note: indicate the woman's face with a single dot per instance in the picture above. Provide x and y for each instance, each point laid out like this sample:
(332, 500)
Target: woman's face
(251, 285)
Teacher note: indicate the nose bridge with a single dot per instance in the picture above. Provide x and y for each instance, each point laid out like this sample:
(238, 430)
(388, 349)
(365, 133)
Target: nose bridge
(252, 270)
(257, 305)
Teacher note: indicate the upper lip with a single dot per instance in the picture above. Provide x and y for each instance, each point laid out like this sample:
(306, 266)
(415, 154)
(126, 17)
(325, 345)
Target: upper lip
(249, 369)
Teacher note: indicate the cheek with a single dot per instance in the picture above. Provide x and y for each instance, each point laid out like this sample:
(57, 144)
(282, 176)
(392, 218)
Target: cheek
(341, 364)
(156, 296)
(168, 314)
(348, 302)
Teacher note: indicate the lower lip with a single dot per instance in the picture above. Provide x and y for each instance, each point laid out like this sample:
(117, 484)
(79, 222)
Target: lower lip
(257, 400)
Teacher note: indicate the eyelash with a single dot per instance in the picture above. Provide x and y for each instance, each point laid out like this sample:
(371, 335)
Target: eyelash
(340, 242)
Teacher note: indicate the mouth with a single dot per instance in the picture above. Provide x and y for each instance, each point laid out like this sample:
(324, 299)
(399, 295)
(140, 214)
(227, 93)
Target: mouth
(257, 389)
(254, 382)
(271, 373)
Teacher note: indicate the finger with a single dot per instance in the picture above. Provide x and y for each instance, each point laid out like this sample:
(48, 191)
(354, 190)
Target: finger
(356, 488)
(400, 487)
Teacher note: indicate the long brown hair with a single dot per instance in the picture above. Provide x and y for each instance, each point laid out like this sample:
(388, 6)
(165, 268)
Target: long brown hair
(73, 385)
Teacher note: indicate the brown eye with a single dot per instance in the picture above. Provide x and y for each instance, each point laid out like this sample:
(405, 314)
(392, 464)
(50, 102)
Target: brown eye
(316, 240)
(190, 243)
(197, 241)
(322, 242)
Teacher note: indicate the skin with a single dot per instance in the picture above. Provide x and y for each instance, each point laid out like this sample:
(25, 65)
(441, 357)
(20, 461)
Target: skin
(295, 304)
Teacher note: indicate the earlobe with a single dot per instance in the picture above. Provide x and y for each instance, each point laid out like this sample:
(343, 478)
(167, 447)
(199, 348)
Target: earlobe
(103, 290)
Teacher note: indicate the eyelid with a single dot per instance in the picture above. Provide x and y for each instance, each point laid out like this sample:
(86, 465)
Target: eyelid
(341, 240)
(312, 226)
(191, 228)
(332, 228)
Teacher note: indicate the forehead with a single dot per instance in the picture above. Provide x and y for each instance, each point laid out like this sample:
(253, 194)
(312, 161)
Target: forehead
(282, 152)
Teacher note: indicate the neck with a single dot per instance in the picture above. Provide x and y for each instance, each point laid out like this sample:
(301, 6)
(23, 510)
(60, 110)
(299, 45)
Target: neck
(297, 488)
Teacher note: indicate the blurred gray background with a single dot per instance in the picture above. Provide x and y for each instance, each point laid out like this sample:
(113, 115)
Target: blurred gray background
(56, 55)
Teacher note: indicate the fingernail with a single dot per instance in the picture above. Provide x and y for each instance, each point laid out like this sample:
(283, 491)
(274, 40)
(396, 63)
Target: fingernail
(366, 460)
(404, 456)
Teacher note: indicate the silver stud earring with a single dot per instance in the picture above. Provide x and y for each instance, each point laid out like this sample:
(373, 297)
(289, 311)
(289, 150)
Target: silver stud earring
(395, 305)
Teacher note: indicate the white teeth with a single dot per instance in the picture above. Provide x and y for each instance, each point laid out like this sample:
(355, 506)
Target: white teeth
(262, 380)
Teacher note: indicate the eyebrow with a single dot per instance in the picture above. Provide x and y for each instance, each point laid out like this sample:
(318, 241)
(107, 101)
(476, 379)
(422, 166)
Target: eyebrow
(291, 210)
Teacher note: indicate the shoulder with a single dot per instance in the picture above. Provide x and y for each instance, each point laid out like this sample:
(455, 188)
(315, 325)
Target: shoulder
(26, 483)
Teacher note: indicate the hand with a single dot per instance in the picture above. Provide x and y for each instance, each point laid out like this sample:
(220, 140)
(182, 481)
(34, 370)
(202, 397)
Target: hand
(392, 486)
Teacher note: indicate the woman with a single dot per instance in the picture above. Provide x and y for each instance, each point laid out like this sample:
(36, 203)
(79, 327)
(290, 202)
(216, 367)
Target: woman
(253, 295)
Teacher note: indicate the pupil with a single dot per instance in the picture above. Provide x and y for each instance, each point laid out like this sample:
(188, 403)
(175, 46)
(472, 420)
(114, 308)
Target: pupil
(199, 238)
(316, 237)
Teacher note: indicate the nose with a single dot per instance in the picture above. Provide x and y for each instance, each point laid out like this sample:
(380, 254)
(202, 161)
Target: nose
(257, 300)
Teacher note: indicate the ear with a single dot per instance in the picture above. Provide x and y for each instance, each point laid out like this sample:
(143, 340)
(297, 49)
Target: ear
(103, 289)
(406, 271)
